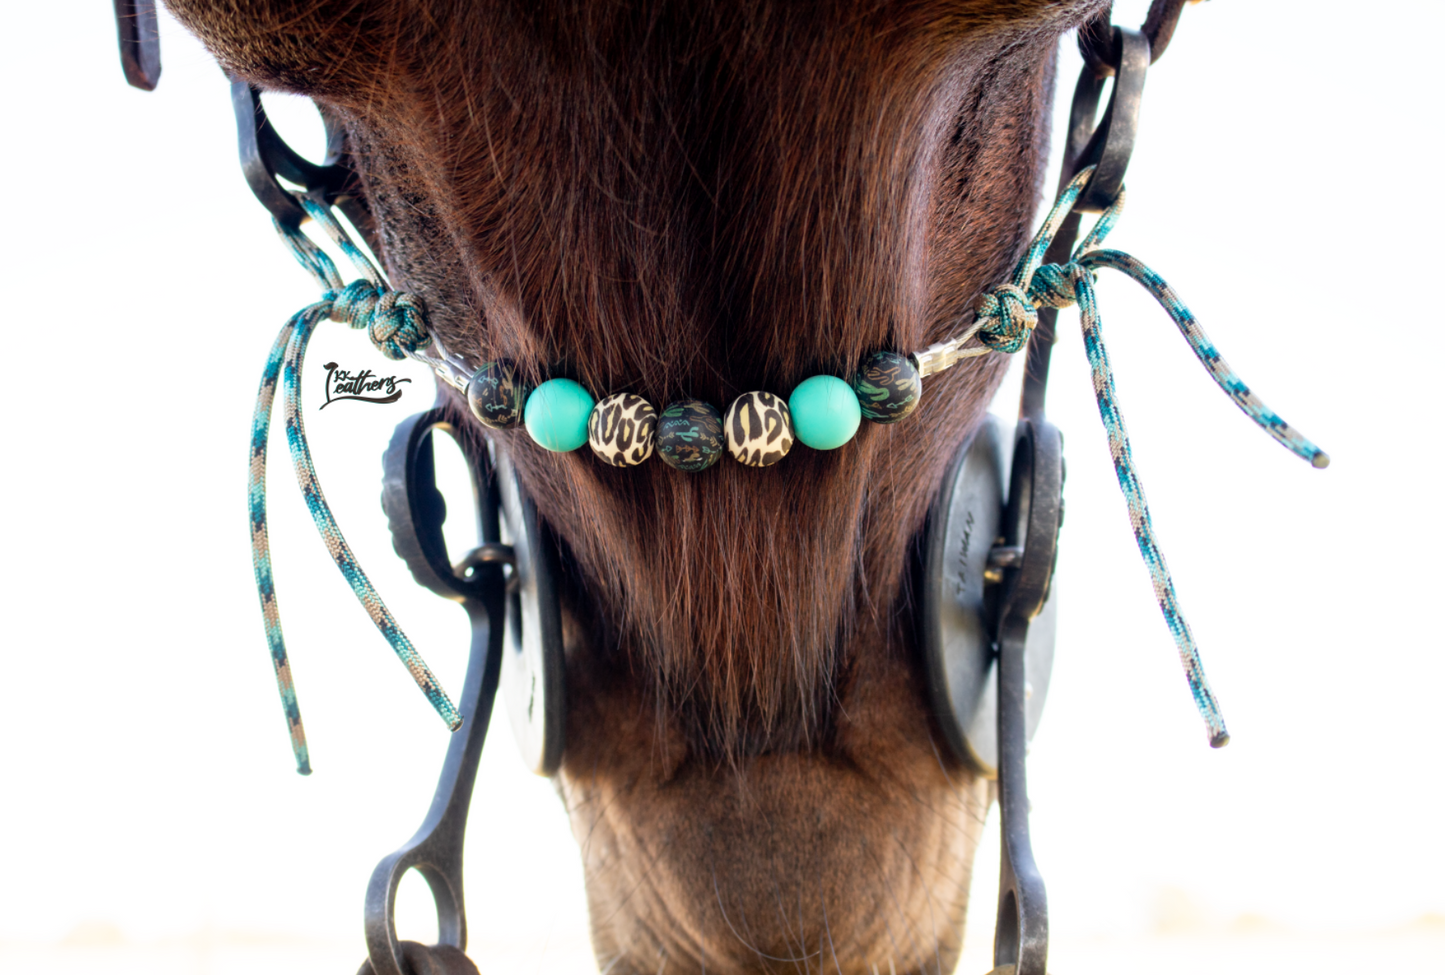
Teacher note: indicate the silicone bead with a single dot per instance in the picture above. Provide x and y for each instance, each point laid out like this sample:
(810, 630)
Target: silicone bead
(621, 429)
(556, 415)
(825, 412)
(759, 429)
(690, 435)
(888, 387)
(496, 394)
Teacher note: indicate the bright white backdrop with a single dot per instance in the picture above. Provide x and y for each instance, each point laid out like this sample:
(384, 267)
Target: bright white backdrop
(1284, 183)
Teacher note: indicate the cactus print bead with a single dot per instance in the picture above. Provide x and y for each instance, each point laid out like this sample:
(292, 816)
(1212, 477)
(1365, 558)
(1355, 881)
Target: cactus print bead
(496, 395)
(621, 429)
(888, 387)
(690, 435)
(759, 429)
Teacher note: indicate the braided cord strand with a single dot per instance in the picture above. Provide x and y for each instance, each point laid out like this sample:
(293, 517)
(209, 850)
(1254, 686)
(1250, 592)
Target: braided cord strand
(315, 260)
(327, 221)
(1053, 223)
(1007, 314)
(396, 323)
(331, 535)
(1227, 379)
(1006, 318)
(394, 320)
(261, 545)
(1107, 397)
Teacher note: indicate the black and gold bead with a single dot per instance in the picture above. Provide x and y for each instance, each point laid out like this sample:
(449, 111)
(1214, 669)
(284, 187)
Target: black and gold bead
(690, 435)
(888, 387)
(497, 394)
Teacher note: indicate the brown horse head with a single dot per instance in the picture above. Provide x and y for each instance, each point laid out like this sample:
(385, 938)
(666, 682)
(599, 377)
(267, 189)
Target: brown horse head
(698, 199)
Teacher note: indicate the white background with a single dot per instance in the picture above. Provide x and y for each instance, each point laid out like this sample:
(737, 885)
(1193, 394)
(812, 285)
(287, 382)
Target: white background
(1285, 182)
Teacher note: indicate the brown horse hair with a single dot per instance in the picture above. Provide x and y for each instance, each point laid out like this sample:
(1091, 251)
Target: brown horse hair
(697, 199)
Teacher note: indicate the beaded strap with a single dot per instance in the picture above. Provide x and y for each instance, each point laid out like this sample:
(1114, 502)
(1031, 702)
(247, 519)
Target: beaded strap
(758, 429)
(561, 416)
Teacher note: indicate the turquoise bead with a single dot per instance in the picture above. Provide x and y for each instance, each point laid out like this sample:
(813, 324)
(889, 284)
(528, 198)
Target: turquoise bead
(825, 412)
(556, 415)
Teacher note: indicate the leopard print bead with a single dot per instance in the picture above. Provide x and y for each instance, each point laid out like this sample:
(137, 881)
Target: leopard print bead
(621, 429)
(759, 429)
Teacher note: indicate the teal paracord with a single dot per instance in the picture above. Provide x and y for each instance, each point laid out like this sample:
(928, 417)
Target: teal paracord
(1005, 319)
(396, 322)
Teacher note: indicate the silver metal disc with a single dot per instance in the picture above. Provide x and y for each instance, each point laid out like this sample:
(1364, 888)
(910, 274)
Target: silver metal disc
(957, 649)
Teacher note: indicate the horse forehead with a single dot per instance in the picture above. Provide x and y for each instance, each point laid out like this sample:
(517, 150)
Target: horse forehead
(629, 137)
(359, 45)
(754, 199)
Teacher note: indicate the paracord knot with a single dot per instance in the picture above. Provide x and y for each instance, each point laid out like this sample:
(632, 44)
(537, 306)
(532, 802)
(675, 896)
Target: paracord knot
(354, 304)
(1052, 287)
(399, 325)
(395, 320)
(1009, 317)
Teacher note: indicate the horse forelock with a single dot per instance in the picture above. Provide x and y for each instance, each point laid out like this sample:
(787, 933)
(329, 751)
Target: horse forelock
(698, 200)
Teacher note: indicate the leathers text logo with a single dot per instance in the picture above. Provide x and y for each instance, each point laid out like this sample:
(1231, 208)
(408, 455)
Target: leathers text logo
(343, 385)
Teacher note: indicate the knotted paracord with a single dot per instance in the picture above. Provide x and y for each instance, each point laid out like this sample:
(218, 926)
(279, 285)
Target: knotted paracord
(396, 322)
(1006, 318)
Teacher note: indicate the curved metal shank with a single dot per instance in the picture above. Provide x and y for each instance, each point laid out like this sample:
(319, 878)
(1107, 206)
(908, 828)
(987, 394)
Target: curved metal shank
(266, 158)
(1108, 145)
(416, 511)
(140, 42)
(1035, 510)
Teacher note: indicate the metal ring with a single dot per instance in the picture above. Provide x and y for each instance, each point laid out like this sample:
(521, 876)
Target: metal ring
(490, 553)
